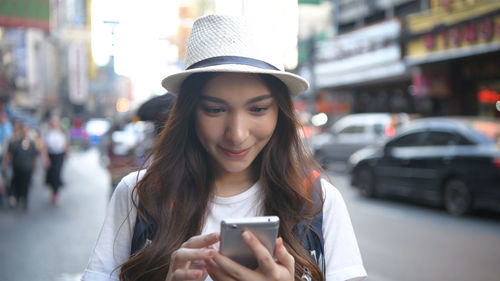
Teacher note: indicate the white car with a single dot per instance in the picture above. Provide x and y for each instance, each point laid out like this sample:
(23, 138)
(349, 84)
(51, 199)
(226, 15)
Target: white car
(353, 132)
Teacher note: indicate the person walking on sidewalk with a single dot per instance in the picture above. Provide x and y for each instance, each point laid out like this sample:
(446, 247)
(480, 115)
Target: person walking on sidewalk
(6, 132)
(22, 154)
(56, 146)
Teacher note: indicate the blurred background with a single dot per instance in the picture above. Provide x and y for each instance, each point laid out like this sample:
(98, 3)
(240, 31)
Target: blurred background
(403, 113)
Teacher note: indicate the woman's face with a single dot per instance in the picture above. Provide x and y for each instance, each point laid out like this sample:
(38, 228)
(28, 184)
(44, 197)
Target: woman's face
(235, 119)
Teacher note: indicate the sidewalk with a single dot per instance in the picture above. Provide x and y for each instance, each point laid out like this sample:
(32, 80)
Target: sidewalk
(53, 243)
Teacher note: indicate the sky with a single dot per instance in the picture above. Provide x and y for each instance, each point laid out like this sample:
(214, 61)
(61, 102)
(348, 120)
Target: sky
(138, 39)
(139, 35)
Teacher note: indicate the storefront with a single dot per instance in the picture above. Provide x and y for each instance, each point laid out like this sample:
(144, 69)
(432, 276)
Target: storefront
(454, 54)
(363, 71)
(23, 28)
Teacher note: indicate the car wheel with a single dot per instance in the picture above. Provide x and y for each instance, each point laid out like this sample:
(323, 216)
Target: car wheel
(366, 182)
(457, 197)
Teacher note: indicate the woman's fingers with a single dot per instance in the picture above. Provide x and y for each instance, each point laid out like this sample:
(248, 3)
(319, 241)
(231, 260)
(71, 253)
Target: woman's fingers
(283, 256)
(223, 268)
(187, 262)
(231, 268)
(187, 274)
(216, 272)
(264, 258)
(182, 256)
(201, 241)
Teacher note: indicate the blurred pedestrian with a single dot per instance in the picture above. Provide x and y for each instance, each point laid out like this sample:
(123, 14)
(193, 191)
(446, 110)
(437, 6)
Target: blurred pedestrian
(5, 134)
(22, 155)
(229, 149)
(55, 143)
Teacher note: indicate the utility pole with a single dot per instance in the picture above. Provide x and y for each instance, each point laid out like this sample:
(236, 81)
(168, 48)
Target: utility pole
(335, 17)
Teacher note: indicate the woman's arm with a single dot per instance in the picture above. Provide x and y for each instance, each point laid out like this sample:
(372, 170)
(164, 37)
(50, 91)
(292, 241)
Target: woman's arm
(113, 243)
(342, 255)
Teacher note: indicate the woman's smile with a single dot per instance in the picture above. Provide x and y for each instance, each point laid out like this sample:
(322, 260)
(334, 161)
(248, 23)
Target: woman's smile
(231, 153)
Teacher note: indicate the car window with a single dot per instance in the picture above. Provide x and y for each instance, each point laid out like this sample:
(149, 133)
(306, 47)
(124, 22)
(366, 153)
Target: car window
(437, 138)
(412, 139)
(461, 140)
(354, 129)
(379, 128)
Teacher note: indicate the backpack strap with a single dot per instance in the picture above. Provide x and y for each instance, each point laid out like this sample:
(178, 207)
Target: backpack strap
(142, 234)
(312, 238)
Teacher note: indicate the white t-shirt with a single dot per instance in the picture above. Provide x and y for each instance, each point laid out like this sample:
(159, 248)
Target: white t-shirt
(55, 141)
(342, 256)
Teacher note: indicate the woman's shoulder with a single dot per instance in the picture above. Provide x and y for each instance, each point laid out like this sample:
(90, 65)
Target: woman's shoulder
(330, 192)
(334, 203)
(127, 183)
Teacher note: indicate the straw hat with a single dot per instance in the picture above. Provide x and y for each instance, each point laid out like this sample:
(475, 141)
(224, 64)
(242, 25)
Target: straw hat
(222, 43)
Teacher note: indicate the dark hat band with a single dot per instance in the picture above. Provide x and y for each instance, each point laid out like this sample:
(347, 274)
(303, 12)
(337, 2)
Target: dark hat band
(232, 60)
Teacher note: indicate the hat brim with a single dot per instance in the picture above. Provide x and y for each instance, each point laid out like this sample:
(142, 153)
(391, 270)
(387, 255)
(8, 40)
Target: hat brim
(296, 84)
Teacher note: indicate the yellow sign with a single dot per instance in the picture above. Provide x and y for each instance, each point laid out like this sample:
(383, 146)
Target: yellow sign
(471, 33)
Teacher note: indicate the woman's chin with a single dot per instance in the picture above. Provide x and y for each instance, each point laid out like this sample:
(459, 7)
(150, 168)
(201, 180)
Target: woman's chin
(235, 168)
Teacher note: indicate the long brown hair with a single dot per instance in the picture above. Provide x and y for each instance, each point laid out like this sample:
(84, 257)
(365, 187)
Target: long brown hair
(175, 189)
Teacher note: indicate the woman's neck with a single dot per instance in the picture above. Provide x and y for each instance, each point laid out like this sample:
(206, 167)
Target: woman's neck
(230, 184)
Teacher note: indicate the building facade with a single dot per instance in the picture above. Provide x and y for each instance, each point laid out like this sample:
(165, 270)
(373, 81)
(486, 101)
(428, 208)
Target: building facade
(453, 50)
(361, 68)
(44, 54)
(437, 57)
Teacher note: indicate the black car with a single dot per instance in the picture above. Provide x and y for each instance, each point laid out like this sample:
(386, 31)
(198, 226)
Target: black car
(453, 162)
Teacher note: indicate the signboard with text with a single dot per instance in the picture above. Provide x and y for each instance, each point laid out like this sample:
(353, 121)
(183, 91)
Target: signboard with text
(25, 13)
(443, 35)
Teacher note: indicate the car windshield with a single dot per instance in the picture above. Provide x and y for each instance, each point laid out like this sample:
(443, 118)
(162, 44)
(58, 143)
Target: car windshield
(490, 130)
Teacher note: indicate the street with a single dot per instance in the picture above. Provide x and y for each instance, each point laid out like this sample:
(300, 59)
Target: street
(401, 241)
(398, 241)
(53, 243)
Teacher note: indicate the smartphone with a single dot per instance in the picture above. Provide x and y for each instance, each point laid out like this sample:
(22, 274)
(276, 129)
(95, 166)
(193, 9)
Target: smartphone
(232, 244)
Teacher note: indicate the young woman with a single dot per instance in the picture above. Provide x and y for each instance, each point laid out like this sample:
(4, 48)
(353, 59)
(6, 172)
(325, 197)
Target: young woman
(229, 149)
(55, 146)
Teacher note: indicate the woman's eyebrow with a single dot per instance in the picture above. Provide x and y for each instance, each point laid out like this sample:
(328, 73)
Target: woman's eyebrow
(219, 100)
(213, 99)
(259, 98)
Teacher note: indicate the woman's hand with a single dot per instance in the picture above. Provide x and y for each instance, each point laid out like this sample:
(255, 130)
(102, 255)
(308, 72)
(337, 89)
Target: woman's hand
(222, 268)
(187, 262)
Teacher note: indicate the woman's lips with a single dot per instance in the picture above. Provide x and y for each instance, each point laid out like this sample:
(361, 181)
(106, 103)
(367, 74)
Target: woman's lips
(235, 153)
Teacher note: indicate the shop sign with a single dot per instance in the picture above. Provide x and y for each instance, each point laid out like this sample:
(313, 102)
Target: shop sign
(431, 83)
(357, 43)
(78, 69)
(367, 54)
(474, 33)
(312, 2)
(486, 95)
(25, 13)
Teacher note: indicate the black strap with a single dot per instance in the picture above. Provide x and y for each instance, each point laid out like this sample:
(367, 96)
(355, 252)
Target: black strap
(142, 233)
(232, 60)
(313, 240)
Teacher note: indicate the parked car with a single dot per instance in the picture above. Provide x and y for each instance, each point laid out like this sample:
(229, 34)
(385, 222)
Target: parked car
(451, 162)
(353, 132)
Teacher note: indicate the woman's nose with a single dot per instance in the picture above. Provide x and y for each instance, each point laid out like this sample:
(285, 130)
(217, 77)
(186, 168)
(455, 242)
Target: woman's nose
(237, 130)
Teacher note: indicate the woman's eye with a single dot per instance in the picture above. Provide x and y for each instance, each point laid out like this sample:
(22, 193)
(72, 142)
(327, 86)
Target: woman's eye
(213, 110)
(258, 109)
